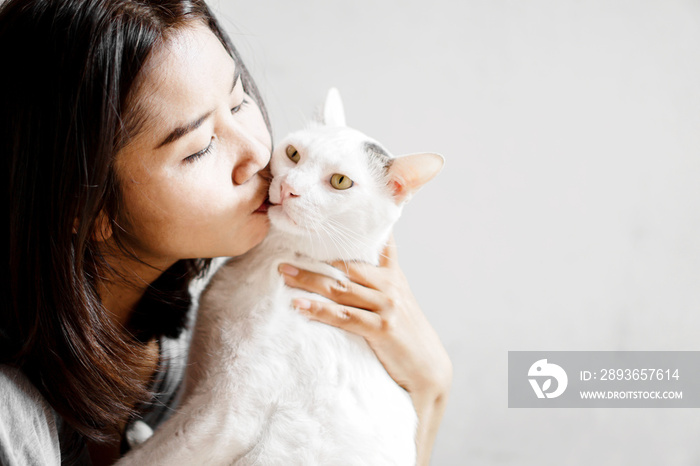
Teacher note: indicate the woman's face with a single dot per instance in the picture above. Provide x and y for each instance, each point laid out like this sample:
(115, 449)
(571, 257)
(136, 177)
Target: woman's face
(191, 179)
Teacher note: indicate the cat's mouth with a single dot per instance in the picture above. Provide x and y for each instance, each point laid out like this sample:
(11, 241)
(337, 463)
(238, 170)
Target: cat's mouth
(279, 213)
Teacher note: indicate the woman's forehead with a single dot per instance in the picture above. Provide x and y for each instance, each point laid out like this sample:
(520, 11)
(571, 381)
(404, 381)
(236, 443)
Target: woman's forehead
(183, 79)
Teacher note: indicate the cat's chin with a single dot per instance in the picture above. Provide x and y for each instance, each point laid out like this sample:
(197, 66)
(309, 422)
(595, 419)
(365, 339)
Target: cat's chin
(281, 220)
(298, 238)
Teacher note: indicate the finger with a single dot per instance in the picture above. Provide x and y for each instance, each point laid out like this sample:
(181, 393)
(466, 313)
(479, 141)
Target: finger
(389, 256)
(366, 274)
(360, 272)
(358, 321)
(343, 292)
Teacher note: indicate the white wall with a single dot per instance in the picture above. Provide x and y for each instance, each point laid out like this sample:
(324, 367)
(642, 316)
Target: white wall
(568, 215)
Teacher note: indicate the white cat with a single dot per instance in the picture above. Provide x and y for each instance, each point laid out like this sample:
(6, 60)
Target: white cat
(266, 385)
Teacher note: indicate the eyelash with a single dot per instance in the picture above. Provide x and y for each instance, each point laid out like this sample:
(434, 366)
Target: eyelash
(201, 153)
(205, 151)
(236, 109)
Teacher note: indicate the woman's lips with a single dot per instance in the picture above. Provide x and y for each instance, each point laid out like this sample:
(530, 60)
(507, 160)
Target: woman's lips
(263, 207)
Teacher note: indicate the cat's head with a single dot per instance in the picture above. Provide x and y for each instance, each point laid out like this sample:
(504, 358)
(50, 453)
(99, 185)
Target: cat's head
(336, 193)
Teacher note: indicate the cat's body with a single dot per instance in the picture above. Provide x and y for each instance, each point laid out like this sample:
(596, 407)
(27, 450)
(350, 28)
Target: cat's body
(301, 392)
(265, 384)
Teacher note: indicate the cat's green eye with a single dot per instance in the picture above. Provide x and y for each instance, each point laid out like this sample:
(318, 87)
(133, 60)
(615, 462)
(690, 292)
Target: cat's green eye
(341, 182)
(293, 154)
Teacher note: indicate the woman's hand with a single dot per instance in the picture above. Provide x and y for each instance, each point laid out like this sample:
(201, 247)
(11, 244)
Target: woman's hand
(377, 303)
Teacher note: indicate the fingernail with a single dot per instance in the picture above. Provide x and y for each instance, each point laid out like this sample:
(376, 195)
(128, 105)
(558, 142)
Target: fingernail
(289, 270)
(302, 304)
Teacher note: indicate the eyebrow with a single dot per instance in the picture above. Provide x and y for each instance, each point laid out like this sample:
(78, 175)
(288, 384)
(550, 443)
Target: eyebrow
(180, 131)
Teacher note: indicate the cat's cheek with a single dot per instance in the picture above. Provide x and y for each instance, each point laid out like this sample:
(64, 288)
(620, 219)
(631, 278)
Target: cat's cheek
(274, 191)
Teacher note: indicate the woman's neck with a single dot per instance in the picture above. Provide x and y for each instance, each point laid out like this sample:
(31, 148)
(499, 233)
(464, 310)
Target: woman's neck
(128, 280)
(120, 291)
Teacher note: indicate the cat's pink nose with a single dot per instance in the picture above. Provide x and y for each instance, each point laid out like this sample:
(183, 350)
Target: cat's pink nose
(286, 192)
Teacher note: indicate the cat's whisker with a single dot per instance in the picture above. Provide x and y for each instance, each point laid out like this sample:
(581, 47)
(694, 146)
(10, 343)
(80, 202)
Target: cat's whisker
(312, 227)
(339, 234)
(349, 235)
(344, 247)
(330, 235)
(312, 232)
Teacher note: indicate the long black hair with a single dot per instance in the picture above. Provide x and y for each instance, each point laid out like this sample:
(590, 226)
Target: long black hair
(66, 108)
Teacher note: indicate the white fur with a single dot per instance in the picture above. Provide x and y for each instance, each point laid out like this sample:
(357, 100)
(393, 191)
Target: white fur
(267, 386)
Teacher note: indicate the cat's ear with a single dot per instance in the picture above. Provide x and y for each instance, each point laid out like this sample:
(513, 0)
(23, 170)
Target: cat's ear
(333, 112)
(408, 173)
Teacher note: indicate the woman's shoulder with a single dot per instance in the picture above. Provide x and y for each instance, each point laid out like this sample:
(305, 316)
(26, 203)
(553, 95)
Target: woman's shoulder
(28, 430)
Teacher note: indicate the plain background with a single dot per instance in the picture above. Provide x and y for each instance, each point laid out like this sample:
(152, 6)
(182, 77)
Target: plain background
(568, 213)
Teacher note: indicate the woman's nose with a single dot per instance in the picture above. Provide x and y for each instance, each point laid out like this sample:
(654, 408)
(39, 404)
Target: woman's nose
(252, 157)
(250, 144)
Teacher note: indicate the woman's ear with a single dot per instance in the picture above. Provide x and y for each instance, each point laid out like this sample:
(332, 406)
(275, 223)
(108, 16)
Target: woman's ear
(408, 173)
(103, 227)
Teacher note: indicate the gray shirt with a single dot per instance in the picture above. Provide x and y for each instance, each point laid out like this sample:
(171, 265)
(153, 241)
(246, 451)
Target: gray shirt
(29, 427)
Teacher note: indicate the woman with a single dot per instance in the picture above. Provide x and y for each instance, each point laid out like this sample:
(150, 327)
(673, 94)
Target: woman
(135, 144)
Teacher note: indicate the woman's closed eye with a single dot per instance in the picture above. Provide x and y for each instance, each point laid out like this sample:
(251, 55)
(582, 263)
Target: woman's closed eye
(235, 109)
(201, 153)
(207, 150)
